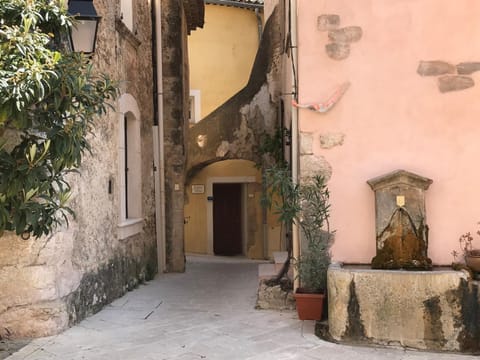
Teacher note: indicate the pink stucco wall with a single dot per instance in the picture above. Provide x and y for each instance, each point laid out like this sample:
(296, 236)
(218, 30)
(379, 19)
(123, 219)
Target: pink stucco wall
(394, 118)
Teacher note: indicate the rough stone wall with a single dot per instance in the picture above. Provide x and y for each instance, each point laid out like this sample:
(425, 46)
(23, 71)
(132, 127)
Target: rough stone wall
(175, 123)
(274, 296)
(51, 283)
(112, 266)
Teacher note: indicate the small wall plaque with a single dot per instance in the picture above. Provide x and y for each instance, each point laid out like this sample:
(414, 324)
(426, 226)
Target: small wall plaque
(198, 189)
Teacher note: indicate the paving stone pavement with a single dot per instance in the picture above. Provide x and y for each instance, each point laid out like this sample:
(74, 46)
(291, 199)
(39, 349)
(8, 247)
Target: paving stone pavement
(206, 313)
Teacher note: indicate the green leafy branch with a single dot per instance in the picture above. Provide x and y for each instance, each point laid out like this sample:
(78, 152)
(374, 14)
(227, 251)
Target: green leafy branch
(49, 99)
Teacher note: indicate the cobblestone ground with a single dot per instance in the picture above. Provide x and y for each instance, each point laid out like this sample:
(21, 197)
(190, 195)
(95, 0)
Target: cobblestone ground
(206, 313)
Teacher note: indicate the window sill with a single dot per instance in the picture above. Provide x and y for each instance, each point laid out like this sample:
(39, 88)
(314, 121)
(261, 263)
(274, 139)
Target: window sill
(125, 32)
(130, 227)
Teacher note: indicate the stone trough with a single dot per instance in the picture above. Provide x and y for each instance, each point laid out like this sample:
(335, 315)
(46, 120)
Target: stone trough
(430, 310)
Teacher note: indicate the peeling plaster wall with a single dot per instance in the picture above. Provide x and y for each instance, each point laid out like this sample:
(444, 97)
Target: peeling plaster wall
(50, 283)
(233, 130)
(393, 117)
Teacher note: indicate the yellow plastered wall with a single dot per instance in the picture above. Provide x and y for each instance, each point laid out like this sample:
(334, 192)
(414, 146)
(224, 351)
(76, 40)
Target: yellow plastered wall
(221, 57)
(221, 54)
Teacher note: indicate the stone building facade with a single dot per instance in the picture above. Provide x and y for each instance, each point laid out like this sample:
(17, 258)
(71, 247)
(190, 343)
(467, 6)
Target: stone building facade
(111, 246)
(221, 56)
(410, 105)
(223, 148)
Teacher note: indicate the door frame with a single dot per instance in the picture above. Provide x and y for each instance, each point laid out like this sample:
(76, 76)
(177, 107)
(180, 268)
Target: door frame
(209, 193)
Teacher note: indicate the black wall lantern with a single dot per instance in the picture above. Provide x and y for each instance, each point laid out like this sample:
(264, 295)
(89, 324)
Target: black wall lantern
(83, 35)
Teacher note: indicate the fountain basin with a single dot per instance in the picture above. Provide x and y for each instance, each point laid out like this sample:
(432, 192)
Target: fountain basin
(429, 310)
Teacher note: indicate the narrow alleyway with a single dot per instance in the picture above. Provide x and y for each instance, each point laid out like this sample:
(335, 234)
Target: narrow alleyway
(206, 313)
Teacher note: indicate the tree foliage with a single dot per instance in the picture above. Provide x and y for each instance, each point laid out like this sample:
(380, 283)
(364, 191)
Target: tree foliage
(49, 98)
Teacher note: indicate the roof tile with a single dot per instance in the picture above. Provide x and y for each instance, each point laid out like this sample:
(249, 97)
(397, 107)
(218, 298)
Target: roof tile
(239, 3)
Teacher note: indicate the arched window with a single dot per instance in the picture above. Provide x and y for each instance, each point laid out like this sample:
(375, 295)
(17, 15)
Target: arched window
(130, 170)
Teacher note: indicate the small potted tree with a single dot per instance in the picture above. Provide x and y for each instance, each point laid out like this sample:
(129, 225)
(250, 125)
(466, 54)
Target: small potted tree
(308, 206)
(312, 264)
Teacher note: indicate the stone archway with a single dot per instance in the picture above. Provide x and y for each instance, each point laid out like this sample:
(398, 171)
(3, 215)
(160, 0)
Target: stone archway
(234, 130)
(201, 200)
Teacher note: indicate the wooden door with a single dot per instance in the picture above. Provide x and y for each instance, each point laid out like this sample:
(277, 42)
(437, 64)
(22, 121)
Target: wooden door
(227, 219)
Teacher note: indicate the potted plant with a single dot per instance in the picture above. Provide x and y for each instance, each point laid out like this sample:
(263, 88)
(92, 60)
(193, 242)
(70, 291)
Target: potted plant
(307, 205)
(470, 254)
(312, 264)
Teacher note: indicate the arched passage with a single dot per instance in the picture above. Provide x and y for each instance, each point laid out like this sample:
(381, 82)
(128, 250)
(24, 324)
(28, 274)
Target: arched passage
(223, 147)
(259, 232)
(200, 208)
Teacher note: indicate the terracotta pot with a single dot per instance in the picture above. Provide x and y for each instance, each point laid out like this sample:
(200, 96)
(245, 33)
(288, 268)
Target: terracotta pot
(309, 306)
(473, 260)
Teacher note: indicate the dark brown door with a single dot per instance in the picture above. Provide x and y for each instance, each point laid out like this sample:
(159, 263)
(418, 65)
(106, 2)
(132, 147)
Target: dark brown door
(227, 219)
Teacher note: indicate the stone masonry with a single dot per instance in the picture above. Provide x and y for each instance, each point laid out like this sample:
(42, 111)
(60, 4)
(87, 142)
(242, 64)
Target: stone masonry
(53, 282)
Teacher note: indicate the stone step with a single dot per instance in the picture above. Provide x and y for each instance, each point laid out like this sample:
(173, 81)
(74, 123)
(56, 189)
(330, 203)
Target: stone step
(279, 257)
(268, 271)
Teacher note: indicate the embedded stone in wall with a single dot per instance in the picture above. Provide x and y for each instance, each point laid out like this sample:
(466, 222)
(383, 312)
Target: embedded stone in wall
(454, 83)
(330, 140)
(312, 165)
(34, 320)
(306, 144)
(467, 68)
(327, 22)
(434, 68)
(43, 273)
(222, 150)
(338, 51)
(346, 35)
(202, 140)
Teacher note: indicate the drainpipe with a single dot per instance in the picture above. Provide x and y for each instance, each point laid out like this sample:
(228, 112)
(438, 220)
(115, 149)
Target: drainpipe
(295, 135)
(259, 23)
(158, 136)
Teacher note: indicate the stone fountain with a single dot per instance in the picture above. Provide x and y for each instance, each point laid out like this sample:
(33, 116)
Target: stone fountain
(385, 302)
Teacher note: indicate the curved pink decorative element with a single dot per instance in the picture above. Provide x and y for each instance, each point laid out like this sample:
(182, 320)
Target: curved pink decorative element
(323, 107)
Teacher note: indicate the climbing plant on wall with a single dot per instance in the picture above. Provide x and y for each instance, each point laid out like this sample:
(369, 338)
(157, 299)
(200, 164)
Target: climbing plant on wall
(49, 98)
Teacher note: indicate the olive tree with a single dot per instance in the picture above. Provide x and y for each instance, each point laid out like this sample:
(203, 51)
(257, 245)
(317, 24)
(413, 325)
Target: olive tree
(49, 98)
